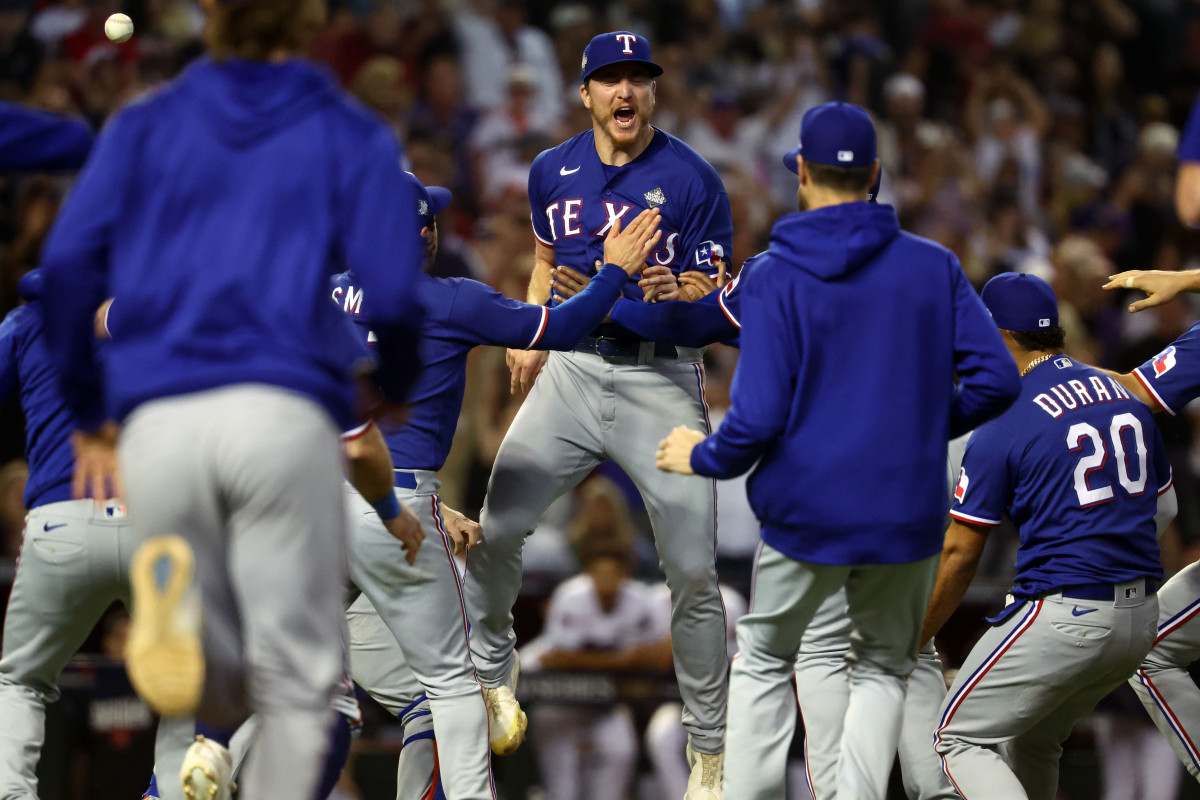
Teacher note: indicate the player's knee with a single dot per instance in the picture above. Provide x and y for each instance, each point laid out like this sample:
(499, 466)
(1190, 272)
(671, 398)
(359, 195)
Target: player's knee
(694, 579)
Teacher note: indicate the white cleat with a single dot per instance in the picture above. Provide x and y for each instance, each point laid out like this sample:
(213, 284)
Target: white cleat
(207, 772)
(165, 658)
(506, 720)
(708, 775)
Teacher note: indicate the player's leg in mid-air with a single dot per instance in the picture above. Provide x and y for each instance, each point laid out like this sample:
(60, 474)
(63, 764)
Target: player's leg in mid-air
(268, 573)
(378, 666)
(649, 401)
(433, 641)
(72, 566)
(553, 443)
(1162, 681)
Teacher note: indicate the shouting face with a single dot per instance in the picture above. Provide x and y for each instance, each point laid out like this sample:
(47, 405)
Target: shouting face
(620, 98)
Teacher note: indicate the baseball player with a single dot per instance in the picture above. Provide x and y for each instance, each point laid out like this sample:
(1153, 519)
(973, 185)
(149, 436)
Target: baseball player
(460, 314)
(229, 389)
(615, 394)
(832, 308)
(822, 679)
(35, 140)
(74, 558)
(1167, 383)
(1079, 466)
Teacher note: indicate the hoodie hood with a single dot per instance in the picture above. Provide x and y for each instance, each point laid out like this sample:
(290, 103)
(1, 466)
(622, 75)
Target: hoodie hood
(836, 240)
(242, 102)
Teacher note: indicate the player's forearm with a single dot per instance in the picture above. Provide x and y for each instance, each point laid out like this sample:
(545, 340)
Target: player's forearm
(695, 324)
(77, 292)
(731, 450)
(539, 282)
(960, 559)
(370, 465)
(570, 321)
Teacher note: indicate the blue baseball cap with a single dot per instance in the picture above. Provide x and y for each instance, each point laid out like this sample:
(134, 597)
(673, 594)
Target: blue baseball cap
(1021, 302)
(837, 134)
(617, 47)
(431, 200)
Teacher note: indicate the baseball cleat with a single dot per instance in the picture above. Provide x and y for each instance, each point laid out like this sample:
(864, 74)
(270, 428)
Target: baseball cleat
(505, 715)
(708, 774)
(207, 772)
(165, 657)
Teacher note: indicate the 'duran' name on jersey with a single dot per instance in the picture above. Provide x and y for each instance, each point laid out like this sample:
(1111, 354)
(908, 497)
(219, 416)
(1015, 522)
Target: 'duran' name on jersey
(1072, 394)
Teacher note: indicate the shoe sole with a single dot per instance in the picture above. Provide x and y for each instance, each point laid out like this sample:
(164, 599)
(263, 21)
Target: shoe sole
(513, 737)
(165, 662)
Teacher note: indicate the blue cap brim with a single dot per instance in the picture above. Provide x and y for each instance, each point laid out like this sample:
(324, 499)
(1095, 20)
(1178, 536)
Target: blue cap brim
(655, 69)
(439, 198)
(789, 160)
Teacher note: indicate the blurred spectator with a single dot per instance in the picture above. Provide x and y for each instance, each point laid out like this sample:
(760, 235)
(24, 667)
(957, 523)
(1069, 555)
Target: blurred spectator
(441, 110)
(20, 52)
(497, 144)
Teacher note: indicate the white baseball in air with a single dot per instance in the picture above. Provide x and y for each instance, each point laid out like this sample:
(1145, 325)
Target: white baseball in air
(118, 27)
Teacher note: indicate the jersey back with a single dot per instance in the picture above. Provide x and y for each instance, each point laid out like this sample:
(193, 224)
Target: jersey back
(1077, 463)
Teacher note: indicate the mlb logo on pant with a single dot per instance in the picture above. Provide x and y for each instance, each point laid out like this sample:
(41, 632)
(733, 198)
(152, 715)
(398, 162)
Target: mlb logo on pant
(1131, 593)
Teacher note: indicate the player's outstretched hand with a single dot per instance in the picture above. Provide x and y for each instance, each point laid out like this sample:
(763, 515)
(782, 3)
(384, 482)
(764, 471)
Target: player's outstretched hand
(525, 366)
(565, 283)
(97, 474)
(675, 451)
(629, 248)
(694, 284)
(659, 283)
(464, 533)
(1160, 286)
(407, 528)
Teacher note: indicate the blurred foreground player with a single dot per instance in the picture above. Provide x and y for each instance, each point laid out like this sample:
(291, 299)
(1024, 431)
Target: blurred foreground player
(1079, 466)
(230, 390)
(829, 330)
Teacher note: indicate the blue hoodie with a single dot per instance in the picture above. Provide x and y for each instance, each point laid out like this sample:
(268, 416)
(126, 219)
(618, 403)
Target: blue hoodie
(852, 333)
(217, 209)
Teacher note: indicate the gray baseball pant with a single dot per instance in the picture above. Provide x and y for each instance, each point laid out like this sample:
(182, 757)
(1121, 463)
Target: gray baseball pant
(582, 410)
(250, 476)
(1028, 681)
(73, 565)
(886, 606)
(422, 606)
(1162, 681)
(823, 692)
(379, 668)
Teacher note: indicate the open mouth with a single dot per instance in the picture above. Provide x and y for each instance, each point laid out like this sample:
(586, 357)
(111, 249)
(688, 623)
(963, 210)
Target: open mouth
(624, 116)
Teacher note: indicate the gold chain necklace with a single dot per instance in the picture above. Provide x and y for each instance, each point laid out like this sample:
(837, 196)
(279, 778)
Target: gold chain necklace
(1035, 362)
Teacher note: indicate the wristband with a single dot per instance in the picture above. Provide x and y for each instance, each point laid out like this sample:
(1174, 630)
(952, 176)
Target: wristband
(388, 507)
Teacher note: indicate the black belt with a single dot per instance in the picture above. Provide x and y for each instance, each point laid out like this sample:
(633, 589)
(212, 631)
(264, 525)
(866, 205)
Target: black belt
(1101, 591)
(607, 347)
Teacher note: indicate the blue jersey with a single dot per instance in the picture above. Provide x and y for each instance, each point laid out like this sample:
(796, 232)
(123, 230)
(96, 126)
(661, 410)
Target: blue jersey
(575, 198)
(459, 314)
(1189, 142)
(853, 334)
(24, 362)
(219, 207)
(1173, 376)
(35, 140)
(1077, 463)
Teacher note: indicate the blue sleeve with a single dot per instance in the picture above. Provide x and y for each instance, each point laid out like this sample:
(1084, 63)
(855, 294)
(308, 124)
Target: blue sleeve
(8, 356)
(381, 239)
(680, 323)
(764, 385)
(33, 140)
(988, 381)
(1163, 471)
(482, 315)
(1173, 376)
(985, 481)
(75, 268)
(1189, 142)
(709, 222)
(537, 209)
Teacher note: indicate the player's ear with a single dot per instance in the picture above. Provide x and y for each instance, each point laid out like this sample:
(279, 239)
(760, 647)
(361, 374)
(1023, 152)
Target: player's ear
(585, 96)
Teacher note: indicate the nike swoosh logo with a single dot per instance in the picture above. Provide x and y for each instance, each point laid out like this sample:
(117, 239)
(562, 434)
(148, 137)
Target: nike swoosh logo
(1075, 612)
(565, 171)
(49, 527)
